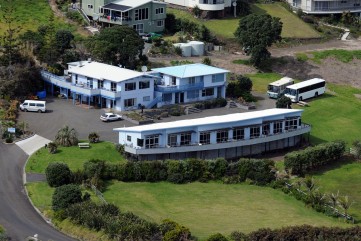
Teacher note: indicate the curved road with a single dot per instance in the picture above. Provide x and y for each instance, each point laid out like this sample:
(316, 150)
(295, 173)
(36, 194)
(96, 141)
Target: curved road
(16, 213)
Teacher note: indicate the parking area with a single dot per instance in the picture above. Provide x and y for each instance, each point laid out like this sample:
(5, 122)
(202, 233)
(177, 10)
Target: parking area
(62, 112)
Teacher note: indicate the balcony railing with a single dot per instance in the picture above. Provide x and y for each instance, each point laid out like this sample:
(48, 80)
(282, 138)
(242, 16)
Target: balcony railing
(178, 88)
(195, 146)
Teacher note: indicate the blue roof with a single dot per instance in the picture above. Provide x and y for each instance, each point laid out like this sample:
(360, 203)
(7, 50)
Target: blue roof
(190, 70)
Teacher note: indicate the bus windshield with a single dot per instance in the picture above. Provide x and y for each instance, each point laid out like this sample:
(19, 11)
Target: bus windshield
(273, 88)
(291, 92)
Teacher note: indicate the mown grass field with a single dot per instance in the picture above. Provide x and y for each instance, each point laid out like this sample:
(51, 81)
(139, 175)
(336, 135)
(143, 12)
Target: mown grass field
(208, 208)
(31, 14)
(341, 55)
(73, 156)
(293, 27)
(346, 179)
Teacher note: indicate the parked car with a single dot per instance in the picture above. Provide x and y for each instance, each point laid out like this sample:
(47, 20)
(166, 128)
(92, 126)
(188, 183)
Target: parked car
(33, 105)
(110, 117)
(150, 36)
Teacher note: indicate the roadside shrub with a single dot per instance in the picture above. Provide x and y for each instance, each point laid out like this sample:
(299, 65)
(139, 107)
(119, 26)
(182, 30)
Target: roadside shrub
(66, 195)
(58, 174)
(66, 137)
(178, 50)
(300, 162)
(52, 148)
(93, 137)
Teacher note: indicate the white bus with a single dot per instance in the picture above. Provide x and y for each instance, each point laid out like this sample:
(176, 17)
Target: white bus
(305, 90)
(275, 89)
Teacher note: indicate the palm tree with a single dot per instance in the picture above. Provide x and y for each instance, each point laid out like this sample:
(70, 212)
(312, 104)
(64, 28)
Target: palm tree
(66, 137)
(345, 203)
(333, 200)
(310, 184)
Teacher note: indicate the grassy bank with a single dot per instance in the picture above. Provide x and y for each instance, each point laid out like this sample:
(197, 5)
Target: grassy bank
(73, 156)
(341, 55)
(208, 208)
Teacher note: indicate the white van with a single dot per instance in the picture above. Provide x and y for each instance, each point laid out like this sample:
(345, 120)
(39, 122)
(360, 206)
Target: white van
(33, 105)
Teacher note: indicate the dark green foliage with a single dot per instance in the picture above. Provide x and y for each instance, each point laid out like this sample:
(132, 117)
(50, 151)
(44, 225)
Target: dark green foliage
(283, 102)
(209, 104)
(52, 147)
(196, 11)
(94, 168)
(300, 162)
(114, 223)
(217, 237)
(58, 174)
(243, 8)
(175, 171)
(239, 86)
(259, 171)
(93, 137)
(207, 61)
(63, 40)
(172, 231)
(306, 232)
(256, 33)
(66, 195)
(120, 45)
(171, 24)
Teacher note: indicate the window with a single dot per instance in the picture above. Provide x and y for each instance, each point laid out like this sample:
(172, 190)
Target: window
(130, 102)
(76, 77)
(89, 82)
(159, 10)
(172, 140)
(174, 80)
(130, 86)
(129, 138)
(32, 104)
(291, 124)
(222, 136)
(90, 6)
(192, 80)
(277, 127)
(192, 94)
(238, 134)
(145, 84)
(146, 98)
(141, 14)
(311, 87)
(205, 138)
(167, 97)
(160, 23)
(113, 86)
(186, 138)
(40, 105)
(100, 84)
(138, 27)
(208, 92)
(217, 78)
(254, 132)
(140, 142)
(266, 129)
(152, 141)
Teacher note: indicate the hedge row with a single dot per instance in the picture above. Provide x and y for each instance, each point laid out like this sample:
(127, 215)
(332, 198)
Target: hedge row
(189, 170)
(119, 225)
(300, 162)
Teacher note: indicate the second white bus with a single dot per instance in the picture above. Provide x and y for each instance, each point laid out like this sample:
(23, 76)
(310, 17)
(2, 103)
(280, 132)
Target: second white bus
(306, 89)
(277, 88)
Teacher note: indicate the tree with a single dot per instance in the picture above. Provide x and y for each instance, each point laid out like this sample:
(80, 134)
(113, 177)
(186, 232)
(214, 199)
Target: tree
(243, 8)
(283, 102)
(171, 24)
(58, 174)
(66, 195)
(256, 33)
(63, 40)
(120, 45)
(217, 237)
(66, 137)
(239, 86)
(207, 61)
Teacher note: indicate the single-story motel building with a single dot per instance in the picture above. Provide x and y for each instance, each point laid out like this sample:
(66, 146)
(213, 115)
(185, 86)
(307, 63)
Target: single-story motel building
(228, 136)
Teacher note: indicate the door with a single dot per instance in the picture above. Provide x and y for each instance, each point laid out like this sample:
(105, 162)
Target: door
(219, 92)
(181, 98)
(176, 98)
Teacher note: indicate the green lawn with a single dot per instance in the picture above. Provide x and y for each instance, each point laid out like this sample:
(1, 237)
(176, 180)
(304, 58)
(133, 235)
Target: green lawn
(341, 55)
(293, 27)
(73, 156)
(208, 208)
(261, 80)
(346, 179)
(31, 14)
(334, 116)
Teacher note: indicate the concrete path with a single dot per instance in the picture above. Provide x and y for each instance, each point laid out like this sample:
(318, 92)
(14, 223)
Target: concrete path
(32, 144)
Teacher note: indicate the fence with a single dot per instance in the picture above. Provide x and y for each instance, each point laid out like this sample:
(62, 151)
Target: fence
(98, 193)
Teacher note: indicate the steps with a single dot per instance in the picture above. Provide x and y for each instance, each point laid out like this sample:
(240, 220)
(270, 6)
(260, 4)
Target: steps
(231, 104)
(191, 110)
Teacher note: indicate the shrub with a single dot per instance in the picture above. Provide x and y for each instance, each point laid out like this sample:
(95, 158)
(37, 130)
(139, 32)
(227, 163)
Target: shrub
(217, 237)
(238, 86)
(178, 50)
(93, 137)
(66, 195)
(207, 61)
(283, 102)
(58, 174)
(172, 231)
(300, 162)
(52, 148)
(66, 137)
(259, 171)
(94, 168)
(196, 11)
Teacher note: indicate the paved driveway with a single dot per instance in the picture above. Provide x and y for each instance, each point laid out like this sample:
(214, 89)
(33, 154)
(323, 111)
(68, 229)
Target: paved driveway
(62, 112)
